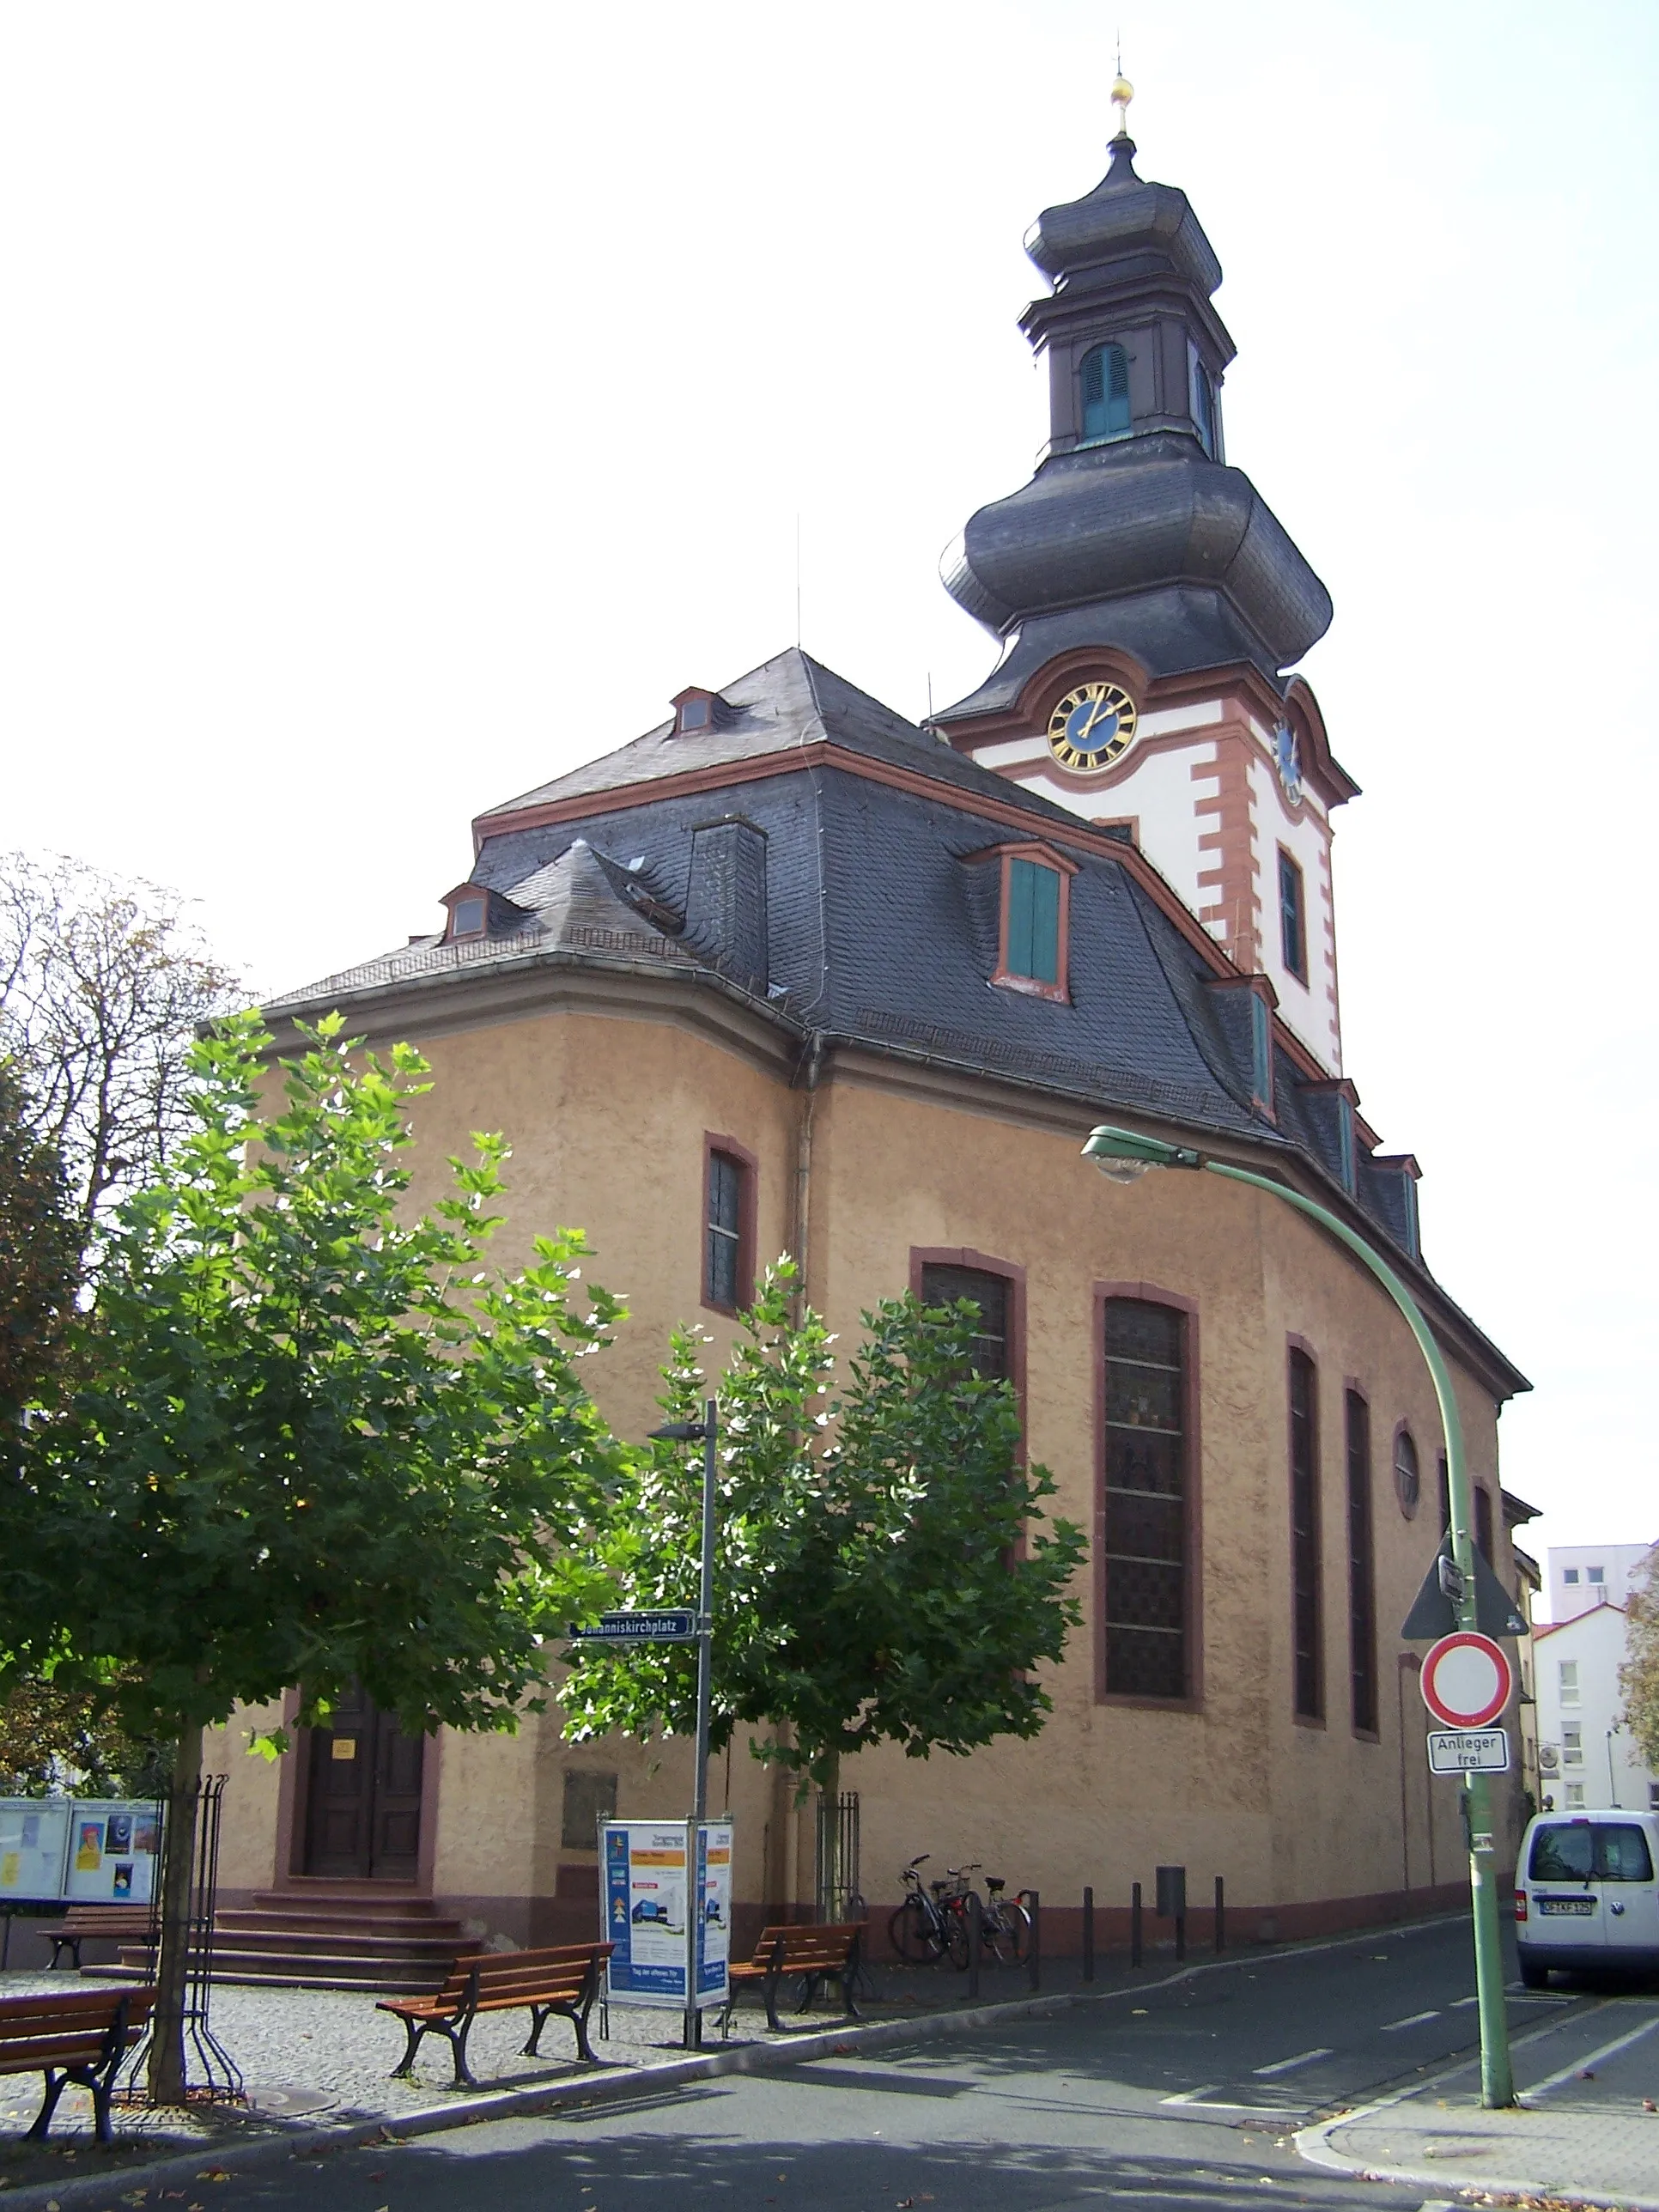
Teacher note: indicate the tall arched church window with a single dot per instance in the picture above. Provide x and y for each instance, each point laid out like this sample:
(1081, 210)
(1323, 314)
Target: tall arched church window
(1105, 394)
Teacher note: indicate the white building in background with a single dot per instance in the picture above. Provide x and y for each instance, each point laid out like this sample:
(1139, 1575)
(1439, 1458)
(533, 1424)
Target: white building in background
(1585, 1574)
(1586, 1756)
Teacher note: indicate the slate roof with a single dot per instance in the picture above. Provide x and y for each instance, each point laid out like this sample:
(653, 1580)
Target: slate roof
(879, 927)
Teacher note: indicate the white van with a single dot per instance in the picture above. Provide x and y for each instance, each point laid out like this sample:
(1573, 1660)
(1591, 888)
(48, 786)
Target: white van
(1587, 1895)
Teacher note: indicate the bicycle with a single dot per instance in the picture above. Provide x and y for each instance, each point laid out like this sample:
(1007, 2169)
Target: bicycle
(1004, 1923)
(925, 1928)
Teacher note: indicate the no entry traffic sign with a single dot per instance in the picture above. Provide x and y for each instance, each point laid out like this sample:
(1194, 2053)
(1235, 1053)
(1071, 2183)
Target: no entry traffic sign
(1466, 1680)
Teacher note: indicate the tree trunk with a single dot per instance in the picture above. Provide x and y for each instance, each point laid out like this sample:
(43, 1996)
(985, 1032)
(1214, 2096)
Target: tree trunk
(827, 1773)
(167, 2049)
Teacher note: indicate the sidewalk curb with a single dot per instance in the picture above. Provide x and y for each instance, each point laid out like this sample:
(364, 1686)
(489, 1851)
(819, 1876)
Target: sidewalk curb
(618, 2085)
(1313, 2144)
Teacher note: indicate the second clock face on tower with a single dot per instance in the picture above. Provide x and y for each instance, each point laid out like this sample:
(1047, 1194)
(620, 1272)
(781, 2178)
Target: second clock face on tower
(1093, 726)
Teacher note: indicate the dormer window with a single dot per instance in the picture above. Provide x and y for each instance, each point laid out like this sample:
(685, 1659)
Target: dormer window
(1262, 1051)
(467, 916)
(1105, 394)
(693, 711)
(1033, 918)
(1031, 925)
(1202, 395)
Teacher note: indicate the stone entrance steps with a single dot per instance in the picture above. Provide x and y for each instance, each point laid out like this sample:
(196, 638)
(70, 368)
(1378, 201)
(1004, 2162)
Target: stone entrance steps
(332, 1935)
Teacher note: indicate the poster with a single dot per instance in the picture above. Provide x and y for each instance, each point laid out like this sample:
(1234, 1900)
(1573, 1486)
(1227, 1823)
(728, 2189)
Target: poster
(714, 1932)
(33, 1845)
(54, 1848)
(655, 1916)
(122, 1868)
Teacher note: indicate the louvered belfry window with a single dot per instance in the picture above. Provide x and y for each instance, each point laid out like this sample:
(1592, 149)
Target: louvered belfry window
(1105, 394)
(1145, 1500)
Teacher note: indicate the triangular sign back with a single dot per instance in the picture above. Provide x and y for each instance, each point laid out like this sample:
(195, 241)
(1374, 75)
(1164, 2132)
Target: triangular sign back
(1433, 1614)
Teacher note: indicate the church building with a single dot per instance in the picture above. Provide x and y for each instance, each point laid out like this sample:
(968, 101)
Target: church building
(788, 972)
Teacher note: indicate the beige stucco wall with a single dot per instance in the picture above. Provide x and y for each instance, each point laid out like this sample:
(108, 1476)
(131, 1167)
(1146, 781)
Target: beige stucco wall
(607, 1117)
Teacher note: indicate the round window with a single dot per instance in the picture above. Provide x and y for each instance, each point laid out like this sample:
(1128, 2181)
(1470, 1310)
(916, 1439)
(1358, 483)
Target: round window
(1408, 1481)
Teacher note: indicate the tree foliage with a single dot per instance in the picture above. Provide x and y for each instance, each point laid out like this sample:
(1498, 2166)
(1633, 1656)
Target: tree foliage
(39, 1256)
(307, 1441)
(883, 1573)
(1638, 1677)
(53, 1738)
(103, 987)
(314, 1440)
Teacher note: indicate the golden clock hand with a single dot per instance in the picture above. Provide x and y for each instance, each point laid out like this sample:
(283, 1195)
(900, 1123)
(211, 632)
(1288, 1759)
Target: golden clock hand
(1100, 709)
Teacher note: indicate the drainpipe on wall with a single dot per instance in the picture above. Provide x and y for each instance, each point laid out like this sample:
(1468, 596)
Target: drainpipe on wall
(807, 1076)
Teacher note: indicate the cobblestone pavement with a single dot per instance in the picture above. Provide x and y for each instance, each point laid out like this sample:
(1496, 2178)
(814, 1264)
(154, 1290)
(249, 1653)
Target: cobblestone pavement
(321, 2055)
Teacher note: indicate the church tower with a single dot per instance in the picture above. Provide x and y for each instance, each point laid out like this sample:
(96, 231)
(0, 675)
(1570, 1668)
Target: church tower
(1150, 602)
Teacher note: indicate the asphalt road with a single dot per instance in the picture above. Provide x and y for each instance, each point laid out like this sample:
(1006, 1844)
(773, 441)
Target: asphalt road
(1174, 2096)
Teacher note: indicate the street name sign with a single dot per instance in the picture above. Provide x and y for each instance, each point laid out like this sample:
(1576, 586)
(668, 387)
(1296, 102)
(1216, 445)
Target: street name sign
(1469, 1751)
(668, 1624)
(1466, 1680)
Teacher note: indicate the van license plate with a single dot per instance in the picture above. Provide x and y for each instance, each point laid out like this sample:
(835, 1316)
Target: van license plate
(1579, 1908)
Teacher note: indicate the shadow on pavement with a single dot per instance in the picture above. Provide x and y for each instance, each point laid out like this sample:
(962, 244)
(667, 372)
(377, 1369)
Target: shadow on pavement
(475, 2167)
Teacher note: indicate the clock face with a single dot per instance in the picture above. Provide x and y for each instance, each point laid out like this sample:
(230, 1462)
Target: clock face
(1092, 727)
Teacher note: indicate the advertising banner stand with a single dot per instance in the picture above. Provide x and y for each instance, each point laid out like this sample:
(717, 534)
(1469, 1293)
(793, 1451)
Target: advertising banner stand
(666, 1902)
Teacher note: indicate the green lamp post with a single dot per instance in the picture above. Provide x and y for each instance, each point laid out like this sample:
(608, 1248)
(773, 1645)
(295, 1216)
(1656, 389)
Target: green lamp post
(1124, 1156)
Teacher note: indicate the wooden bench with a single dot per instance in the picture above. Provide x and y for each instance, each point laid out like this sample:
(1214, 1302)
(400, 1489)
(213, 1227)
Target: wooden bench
(114, 1923)
(812, 1954)
(81, 2037)
(564, 1980)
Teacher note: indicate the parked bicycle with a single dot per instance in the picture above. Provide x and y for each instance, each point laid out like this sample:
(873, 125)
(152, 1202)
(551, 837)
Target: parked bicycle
(1005, 1921)
(925, 1928)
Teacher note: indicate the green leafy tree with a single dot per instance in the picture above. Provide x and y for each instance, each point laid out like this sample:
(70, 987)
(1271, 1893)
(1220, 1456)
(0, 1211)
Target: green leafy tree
(314, 1440)
(1638, 1677)
(51, 1737)
(883, 1573)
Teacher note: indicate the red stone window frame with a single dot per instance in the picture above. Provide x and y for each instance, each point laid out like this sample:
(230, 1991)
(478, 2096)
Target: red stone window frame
(1193, 1563)
(1041, 855)
(748, 1167)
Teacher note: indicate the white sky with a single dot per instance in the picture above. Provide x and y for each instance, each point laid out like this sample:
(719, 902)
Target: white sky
(400, 403)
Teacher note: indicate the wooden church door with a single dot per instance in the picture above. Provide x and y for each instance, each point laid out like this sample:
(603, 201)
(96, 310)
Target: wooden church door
(363, 1805)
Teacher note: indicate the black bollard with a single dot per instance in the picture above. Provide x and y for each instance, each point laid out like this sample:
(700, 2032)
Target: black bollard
(1134, 1925)
(974, 1943)
(1088, 1935)
(1220, 1916)
(1034, 1958)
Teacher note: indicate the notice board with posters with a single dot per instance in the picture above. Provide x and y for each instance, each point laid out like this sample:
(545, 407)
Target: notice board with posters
(666, 1895)
(115, 1847)
(101, 1851)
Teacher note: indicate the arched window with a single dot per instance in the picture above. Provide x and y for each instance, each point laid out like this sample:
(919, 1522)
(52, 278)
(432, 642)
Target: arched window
(1105, 394)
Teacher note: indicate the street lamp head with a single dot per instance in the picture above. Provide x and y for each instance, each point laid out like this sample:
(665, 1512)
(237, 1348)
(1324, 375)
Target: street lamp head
(1123, 1155)
(678, 1433)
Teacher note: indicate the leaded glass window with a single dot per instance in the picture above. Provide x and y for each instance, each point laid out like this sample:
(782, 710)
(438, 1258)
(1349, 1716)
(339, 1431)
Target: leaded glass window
(1146, 1521)
(944, 1285)
(1305, 1607)
(1362, 1567)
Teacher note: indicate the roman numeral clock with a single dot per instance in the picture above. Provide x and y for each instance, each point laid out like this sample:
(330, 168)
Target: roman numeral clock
(1093, 726)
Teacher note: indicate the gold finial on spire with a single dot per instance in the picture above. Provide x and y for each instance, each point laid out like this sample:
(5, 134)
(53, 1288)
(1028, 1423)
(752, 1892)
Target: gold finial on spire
(1123, 92)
